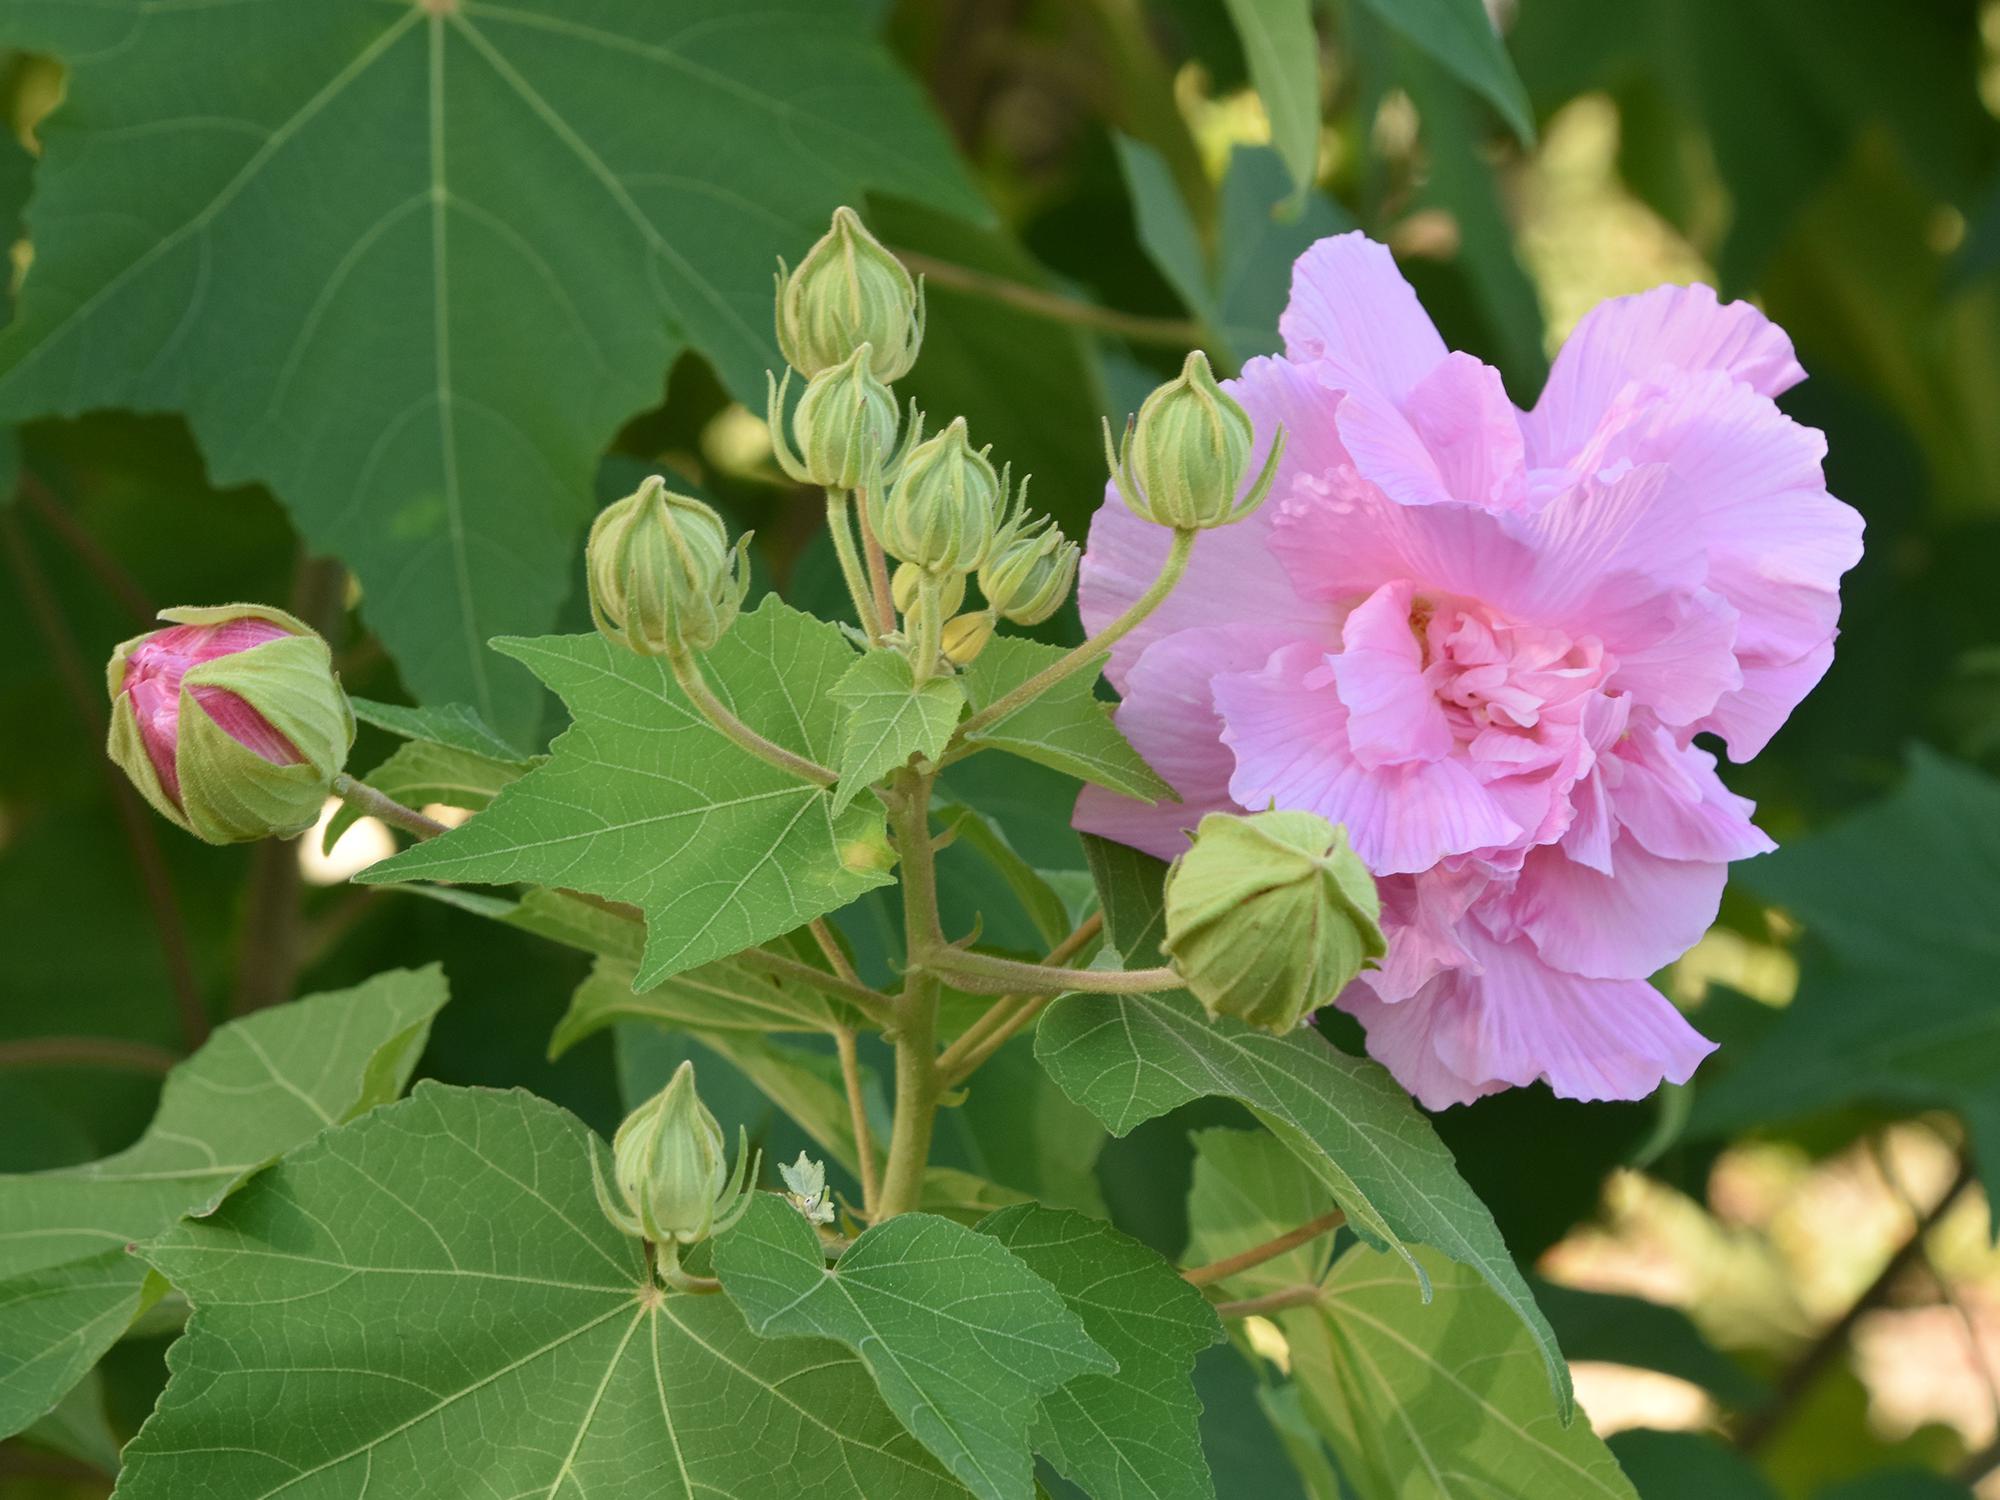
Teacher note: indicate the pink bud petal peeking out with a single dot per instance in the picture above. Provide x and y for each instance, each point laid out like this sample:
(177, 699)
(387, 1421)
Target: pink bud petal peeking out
(153, 674)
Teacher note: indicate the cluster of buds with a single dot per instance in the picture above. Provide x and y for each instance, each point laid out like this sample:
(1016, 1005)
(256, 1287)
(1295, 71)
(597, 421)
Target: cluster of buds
(231, 722)
(1269, 916)
(1185, 456)
(673, 1182)
(850, 319)
(664, 579)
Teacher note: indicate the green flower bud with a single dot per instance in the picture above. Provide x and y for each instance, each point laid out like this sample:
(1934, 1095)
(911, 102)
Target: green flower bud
(965, 636)
(1185, 455)
(845, 425)
(1029, 574)
(847, 292)
(1270, 915)
(663, 577)
(945, 505)
(908, 579)
(231, 722)
(668, 1165)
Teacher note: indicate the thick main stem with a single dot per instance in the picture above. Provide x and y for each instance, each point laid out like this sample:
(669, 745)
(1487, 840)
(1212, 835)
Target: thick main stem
(918, 1086)
(1091, 651)
(687, 672)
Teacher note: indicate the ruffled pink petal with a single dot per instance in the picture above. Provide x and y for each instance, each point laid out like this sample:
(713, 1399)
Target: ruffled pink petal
(1628, 924)
(1393, 716)
(1750, 480)
(1169, 716)
(1471, 431)
(1342, 538)
(1626, 338)
(1350, 304)
(1669, 799)
(1230, 563)
(1403, 1038)
(1288, 730)
(1517, 1020)
(1420, 919)
(1747, 718)
(1679, 658)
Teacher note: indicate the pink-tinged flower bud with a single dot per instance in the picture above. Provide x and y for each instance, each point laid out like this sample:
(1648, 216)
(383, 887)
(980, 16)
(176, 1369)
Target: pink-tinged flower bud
(230, 721)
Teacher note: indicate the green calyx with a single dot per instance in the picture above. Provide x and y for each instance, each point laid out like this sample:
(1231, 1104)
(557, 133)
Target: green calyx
(847, 293)
(230, 794)
(845, 426)
(1030, 573)
(945, 505)
(664, 579)
(1270, 915)
(669, 1167)
(1185, 456)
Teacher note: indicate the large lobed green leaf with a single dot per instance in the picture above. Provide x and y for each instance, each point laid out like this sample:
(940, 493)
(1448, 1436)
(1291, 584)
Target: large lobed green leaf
(962, 1338)
(430, 1301)
(260, 1086)
(415, 266)
(643, 801)
(889, 718)
(1438, 1396)
(1067, 728)
(1135, 1434)
(1131, 1058)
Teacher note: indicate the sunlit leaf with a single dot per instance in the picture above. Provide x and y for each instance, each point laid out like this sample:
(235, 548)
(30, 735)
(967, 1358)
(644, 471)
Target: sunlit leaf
(1132, 1435)
(260, 1086)
(643, 801)
(1067, 728)
(1131, 1058)
(889, 718)
(962, 1338)
(434, 1291)
(1282, 49)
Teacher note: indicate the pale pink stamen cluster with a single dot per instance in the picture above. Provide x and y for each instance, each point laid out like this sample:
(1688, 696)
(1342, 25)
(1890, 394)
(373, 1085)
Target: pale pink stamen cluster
(1485, 641)
(153, 673)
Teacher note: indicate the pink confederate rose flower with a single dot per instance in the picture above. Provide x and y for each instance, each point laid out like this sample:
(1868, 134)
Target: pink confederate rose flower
(1485, 640)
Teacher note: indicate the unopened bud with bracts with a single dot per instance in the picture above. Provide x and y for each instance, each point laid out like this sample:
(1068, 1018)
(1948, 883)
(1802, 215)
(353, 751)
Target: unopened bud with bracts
(944, 506)
(664, 579)
(1029, 573)
(845, 425)
(1185, 455)
(1270, 915)
(231, 721)
(847, 292)
(906, 588)
(673, 1181)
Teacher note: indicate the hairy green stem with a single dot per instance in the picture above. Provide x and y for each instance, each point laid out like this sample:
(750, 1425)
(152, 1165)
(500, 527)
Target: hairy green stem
(987, 974)
(873, 1004)
(1006, 1016)
(842, 527)
(857, 1112)
(878, 565)
(374, 804)
(687, 672)
(1088, 654)
(925, 627)
(918, 1085)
